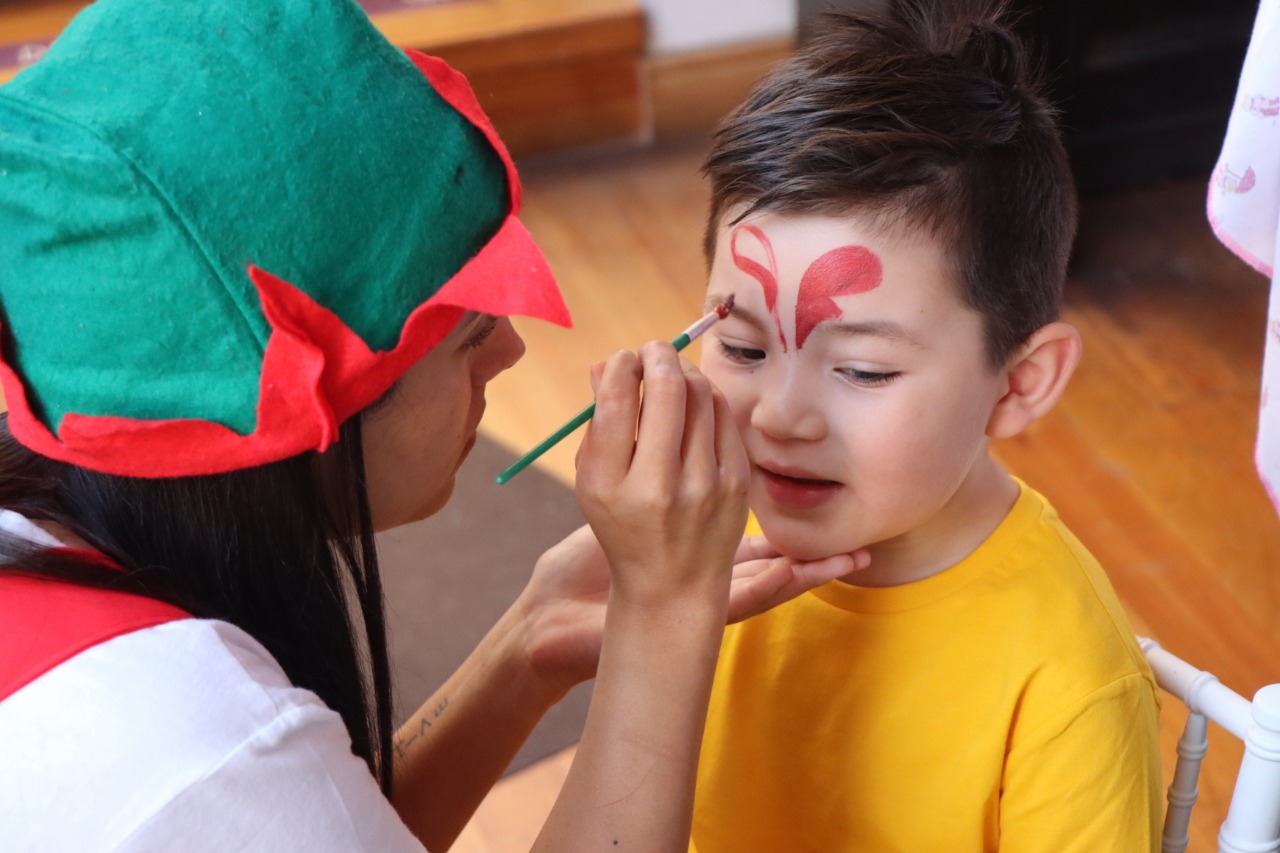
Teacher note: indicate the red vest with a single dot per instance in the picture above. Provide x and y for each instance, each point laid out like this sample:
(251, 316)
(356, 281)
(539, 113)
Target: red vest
(43, 623)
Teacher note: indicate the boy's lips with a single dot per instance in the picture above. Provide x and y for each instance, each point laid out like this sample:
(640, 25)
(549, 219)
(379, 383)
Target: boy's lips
(795, 488)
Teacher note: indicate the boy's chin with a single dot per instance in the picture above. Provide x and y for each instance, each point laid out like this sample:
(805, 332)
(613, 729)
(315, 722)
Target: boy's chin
(805, 549)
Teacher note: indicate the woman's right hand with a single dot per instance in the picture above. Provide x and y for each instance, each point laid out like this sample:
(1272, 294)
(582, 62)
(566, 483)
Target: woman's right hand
(663, 484)
(664, 487)
(562, 610)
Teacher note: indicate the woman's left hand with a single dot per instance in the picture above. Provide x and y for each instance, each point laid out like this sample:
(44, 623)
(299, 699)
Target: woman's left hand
(563, 607)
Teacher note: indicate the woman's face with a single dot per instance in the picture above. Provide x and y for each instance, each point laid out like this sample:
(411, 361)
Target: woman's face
(415, 441)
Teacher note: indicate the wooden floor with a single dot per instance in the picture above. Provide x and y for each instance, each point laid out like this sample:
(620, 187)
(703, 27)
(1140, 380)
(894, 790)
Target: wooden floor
(1148, 457)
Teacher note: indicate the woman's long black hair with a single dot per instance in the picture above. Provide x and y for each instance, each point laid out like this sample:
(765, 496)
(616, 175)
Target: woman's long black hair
(284, 551)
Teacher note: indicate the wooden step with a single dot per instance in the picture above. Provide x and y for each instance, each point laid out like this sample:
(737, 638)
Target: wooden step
(550, 73)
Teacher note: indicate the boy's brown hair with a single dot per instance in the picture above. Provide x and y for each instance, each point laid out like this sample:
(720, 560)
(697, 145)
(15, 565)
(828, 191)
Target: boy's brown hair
(932, 118)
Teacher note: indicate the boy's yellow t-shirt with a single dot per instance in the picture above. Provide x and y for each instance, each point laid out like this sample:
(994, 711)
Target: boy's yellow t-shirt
(1000, 705)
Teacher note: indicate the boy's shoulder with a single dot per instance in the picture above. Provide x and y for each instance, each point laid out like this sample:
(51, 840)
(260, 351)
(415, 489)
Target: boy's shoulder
(1033, 547)
(1055, 599)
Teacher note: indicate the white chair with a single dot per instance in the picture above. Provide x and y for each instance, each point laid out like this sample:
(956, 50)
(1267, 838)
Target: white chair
(1253, 818)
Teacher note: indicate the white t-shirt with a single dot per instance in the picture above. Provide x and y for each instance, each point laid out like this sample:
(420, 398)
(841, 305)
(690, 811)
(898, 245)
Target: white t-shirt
(183, 737)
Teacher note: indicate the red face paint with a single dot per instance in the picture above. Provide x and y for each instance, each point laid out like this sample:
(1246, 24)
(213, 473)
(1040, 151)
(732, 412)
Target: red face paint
(840, 272)
(767, 276)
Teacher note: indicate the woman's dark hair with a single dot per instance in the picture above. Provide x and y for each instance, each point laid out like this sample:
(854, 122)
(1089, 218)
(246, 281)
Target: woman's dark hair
(284, 551)
(932, 117)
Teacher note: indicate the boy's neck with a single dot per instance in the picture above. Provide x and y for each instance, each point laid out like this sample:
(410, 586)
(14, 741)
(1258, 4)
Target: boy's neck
(953, 533)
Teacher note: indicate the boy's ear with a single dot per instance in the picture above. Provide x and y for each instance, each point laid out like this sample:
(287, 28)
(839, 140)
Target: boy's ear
(1036, 375)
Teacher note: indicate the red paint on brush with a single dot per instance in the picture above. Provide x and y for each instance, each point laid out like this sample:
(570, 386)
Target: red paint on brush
(840, 272)
(723, 309)
(767, 276)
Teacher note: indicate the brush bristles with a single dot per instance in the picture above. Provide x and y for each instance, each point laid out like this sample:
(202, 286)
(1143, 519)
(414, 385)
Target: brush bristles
(725, 307)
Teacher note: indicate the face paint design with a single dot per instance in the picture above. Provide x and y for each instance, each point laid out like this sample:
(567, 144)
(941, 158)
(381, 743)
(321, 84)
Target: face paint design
(767, 276)
(843, 271)
(840, 272)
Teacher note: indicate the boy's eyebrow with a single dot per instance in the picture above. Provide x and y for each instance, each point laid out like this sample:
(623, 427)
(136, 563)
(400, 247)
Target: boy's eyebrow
(876, 328)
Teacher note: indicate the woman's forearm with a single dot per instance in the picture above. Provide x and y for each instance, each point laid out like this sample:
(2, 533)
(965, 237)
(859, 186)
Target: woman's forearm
(450, 753)
(632, 780)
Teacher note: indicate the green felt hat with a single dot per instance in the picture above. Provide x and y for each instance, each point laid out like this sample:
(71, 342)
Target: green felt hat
(227, 226)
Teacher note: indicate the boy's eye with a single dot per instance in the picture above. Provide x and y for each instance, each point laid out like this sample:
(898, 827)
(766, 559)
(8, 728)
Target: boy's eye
(740, 355)
(479, 336)
(867, 378)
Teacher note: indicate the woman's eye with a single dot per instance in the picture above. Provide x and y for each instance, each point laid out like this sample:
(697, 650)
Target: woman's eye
(481, 334)
(867, 378)
(740, 355)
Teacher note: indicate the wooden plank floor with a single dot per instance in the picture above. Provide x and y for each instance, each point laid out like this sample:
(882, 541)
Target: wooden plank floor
(1148, 457)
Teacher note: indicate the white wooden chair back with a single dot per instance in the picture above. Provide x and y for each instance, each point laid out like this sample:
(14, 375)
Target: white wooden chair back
(1253, 818)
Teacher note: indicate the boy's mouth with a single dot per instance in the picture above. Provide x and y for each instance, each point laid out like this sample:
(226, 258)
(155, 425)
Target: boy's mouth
(797, 489)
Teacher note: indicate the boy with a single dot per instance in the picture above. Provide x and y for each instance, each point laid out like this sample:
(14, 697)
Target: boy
(893, 210)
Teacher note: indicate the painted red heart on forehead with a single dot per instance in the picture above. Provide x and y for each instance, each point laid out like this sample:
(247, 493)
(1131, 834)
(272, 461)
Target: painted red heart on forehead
(840, 272)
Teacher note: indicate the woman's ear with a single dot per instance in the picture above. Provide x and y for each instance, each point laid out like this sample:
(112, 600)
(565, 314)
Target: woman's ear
(1036, 375)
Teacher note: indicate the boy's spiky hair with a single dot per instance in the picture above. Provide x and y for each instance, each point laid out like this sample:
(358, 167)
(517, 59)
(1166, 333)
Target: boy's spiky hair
(932, 117)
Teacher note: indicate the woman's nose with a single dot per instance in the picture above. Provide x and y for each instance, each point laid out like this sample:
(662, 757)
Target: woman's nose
(788, 411)
(507, 348)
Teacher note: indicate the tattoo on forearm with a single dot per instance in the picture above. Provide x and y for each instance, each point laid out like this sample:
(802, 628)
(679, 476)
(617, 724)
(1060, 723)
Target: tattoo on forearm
(401, 743)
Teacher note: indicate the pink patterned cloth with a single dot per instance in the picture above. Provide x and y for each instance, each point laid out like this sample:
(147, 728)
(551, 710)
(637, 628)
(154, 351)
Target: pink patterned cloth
(1244, 209)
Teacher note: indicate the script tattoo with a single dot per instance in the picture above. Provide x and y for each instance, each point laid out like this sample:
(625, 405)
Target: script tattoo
(402, 742)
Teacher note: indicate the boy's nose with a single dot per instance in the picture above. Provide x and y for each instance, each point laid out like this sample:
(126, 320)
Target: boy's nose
(785, 412)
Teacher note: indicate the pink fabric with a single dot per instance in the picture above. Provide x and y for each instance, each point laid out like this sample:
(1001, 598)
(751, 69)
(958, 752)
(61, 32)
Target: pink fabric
(1244, 208)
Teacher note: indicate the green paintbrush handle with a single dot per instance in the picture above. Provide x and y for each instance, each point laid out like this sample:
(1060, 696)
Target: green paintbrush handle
(550, 442)
(576, 421)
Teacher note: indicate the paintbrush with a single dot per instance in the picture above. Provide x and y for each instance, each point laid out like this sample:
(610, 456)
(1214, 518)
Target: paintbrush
(681, 341)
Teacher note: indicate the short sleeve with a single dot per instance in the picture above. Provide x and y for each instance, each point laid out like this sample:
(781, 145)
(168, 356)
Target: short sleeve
(293, 785)
(184, 736)
(1087, 781)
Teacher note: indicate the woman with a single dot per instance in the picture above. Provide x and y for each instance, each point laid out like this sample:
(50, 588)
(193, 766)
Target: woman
(256, 267)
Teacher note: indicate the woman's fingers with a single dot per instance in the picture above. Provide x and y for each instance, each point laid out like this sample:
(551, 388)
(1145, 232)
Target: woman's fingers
(751, 554)
(607, 447)
(596, 373)
(683, 418)
(762, 584)
(730, 452)
(653, 482)
(699, 446)
(660, 433)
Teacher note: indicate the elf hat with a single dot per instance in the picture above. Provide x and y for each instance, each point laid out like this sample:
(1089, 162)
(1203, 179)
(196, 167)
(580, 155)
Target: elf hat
(228, 226)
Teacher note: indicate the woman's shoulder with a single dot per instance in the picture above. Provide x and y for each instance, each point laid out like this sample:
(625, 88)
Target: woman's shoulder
(179, 724)
(199, 687)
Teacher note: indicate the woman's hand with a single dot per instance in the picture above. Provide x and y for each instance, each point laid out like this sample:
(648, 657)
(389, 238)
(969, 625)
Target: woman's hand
(670, 525)
(763, 578)
(664, 486)
(563, 606)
